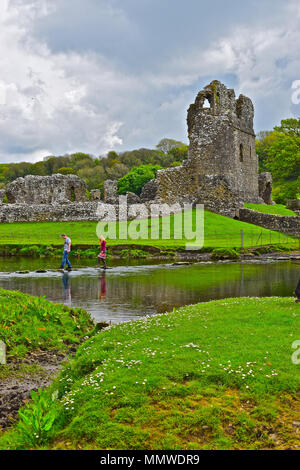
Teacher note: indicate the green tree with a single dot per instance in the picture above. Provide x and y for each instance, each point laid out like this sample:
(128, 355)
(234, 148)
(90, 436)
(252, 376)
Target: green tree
(66, 171)
(262, 143)
(282, 148)
(137, 178)
(92, 176)
(117, 170)
(165, 145)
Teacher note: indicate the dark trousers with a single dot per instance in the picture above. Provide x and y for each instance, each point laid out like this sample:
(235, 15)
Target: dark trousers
(65, 260)
(297, 291)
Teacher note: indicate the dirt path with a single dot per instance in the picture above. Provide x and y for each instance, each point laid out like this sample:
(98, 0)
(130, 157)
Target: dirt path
(43, 366)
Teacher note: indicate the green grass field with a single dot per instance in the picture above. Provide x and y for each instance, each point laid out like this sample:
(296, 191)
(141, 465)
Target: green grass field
(219, 231)
(216, 375)
(277, 209)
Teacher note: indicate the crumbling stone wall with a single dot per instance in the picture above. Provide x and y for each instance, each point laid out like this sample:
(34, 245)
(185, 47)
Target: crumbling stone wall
(2, 195)
(73, 211)
(222, 166)
(265, 187)
(149, 191)
(279, 223)
(110, 191)
(53, 189)
(95, 195)
(293, 204)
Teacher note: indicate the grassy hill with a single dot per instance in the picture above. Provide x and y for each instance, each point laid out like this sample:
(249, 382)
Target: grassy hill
(277, 209)
(29, 323)
(219, 231)
(216, 375)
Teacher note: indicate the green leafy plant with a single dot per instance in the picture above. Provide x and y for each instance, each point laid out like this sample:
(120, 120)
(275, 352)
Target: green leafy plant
(135, 254)
(224, 253)
(36, 420)
(137, 178)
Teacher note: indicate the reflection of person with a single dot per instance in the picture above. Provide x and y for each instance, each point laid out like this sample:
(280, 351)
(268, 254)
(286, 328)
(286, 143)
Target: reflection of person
(66, 283)
(67, 249)
(297, 292)
(102, 255)
(102, 290)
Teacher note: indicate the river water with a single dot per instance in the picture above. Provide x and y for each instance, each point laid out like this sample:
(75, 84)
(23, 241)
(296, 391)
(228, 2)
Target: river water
(126, 292)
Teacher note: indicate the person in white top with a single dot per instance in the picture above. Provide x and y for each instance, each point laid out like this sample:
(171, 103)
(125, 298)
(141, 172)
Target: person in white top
(67, 249)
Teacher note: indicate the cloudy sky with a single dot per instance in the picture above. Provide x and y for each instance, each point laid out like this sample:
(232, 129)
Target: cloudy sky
(97, 75)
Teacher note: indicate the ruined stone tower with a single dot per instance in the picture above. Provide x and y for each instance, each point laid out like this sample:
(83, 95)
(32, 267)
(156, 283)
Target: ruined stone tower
(222, 167)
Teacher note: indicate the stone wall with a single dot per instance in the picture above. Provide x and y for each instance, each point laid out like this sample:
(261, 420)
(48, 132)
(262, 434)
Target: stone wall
(2, 195)
(265, 183)
(95, 195)
(279, 223)
(110, 191)
(293, 204)
(81, 211)
(74, 211)
(53, 189)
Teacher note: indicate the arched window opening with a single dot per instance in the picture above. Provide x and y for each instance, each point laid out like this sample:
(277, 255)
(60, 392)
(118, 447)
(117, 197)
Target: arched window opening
(206, 103)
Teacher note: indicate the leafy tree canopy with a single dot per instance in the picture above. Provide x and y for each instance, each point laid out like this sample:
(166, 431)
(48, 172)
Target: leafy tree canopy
(165, 145)
(279, 153)
(137, 178)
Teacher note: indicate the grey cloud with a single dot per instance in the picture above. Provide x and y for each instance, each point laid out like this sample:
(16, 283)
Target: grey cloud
(94, 75)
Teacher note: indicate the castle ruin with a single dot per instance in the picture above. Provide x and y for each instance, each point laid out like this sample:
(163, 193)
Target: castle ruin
(221, 171)
(55, 189)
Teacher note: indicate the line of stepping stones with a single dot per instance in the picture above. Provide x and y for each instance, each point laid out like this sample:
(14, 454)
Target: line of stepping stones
(42, 271)
(177, 263)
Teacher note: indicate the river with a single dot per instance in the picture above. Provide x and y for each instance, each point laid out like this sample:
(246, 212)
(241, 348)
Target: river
(126, 292)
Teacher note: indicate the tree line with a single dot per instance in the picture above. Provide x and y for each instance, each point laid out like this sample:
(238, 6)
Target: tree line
(278, 152)
(95, 170)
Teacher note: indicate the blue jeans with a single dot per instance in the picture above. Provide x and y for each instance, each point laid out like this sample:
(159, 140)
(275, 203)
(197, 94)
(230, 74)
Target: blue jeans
(65, 260)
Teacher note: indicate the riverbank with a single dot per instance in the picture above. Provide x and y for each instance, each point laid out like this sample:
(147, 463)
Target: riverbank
(38, 335)
(216, 375)
(142, 252)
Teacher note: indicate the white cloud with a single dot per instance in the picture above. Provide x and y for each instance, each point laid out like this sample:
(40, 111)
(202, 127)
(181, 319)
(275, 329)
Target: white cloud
(48, 99)
(56, 101)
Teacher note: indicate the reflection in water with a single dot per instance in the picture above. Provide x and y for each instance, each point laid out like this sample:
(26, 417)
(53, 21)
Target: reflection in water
(129, 292)
(67, 289)
(297, 290)
(102, 289)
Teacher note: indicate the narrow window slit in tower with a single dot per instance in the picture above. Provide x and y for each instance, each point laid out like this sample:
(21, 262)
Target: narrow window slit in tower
(241, 153)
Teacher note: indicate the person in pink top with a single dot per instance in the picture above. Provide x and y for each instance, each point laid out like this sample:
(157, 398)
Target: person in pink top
(102, 254)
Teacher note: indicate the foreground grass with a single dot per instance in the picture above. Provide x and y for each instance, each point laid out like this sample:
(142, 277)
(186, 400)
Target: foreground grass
(277, 209)
(219, 231)
(31, 323)
(216, 375)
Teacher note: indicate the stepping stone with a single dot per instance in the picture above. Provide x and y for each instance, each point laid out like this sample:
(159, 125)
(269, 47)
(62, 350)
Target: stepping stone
(22, 272)
(181, 263)
(41, 271)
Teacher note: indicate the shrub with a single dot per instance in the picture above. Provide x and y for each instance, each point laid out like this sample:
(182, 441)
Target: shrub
(224, 253)
(134, 254)
(37, 418)
(136, 179)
